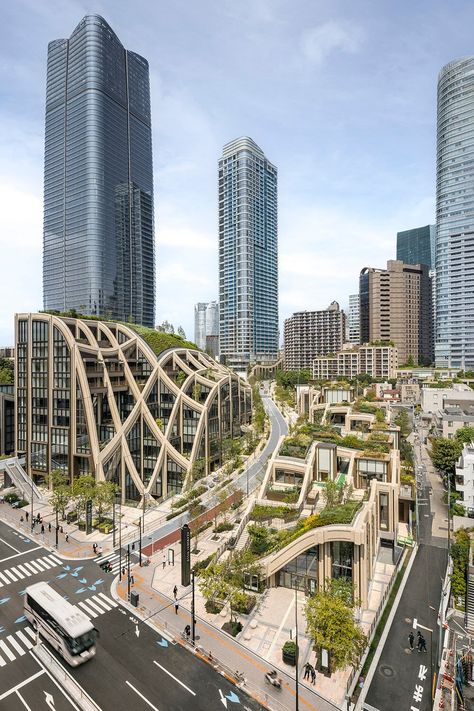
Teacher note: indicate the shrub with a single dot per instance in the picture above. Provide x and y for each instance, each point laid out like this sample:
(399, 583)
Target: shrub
(202, 564)
(11, 498)
(289, 648)
(221, 527)
(213, 607)
(244, 603)
(264, 513)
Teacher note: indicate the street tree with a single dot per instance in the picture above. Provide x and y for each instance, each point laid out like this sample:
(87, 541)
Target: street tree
(82, 491)
(332, 494)
(465, 435)
(61, 494)
(331, 624)
(104, 494)
(445, 453)
(213, 582)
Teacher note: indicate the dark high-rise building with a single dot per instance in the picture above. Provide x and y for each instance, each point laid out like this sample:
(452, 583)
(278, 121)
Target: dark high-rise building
(416, 246)
(99, 254)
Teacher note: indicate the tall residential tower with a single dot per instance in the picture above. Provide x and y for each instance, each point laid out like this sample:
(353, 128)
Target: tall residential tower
(248, 255)
(98, 178)
(454, 254)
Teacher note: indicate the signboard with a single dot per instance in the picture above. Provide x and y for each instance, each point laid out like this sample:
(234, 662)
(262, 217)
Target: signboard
(88, 517)
(185, 555)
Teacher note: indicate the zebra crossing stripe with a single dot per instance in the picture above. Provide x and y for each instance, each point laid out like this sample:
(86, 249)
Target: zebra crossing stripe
(89, 611)
(24, 570)
(95, 606)
(102, 602)
(41, 564)
(30, 632)
(15, 645)
(55, 560)
(2, 661)
(34, 564)
(11, 575)
(30, 568)
(24, 639)
(19, 573)
(107, 599)
(7, 651)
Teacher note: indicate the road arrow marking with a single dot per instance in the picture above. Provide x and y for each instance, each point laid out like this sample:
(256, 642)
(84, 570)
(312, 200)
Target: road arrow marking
(223, 698)
(122, 611)
(162, 642)
(21, 592)
(49, 699)
(2, 629)
(83, 581)
(132, 619)
(92, 587)
(4, 600)
(81, 590)
(62, 575)
(78, 568)
(98, 582)
(74, 575)
(20, 619)
(137, 631)
(66, 567)
(233, 697)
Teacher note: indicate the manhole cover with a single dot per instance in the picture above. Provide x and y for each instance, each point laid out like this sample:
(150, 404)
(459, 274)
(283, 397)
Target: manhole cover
(408, 620)
(386, 670)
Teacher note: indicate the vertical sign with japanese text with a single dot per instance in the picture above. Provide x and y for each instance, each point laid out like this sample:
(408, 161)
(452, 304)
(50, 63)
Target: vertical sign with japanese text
(185, 555)
(88, 517)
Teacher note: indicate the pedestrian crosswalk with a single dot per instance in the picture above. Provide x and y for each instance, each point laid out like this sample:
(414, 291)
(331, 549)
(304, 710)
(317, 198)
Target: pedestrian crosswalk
(20, 571)
(20, 642)
(114, 560)
(97, 605)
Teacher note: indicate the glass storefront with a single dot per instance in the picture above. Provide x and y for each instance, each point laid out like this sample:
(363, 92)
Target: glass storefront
(301, 572)
(342, 556)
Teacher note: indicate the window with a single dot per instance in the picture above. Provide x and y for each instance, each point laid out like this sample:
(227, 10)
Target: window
(383, 511)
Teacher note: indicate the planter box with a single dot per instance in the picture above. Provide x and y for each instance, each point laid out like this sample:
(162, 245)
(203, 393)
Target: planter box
(289, 658)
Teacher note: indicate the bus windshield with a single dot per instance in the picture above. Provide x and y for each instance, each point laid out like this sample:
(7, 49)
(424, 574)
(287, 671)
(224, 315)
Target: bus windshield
(77, 645)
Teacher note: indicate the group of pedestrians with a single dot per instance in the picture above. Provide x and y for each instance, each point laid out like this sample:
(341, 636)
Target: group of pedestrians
(420, 641)
(309, 672)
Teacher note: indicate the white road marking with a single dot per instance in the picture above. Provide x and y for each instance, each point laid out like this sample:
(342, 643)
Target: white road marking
(7, 651)
(175, 678)
(19, 573)
(95, 606)
(15, 645)
(21, 684)
(5, 580)
(35, 564)
(17, 555)
(10, 575)
(24, 639)
(9, 545)
(108, 599)
(22, 700)
(2, 664)
(141, 696)
(89, 611)
(33, 571)
(31, 632)
(104, 603)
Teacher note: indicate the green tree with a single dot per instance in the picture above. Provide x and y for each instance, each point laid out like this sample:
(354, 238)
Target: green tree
(7, 371)
(465, 435)
(181, 332)
(213, 582)
(198, 469)
(104, 493)
(460, 555)
(243, 565)
(332, 494)
(332, 626)
(445, 453)
(82, 491)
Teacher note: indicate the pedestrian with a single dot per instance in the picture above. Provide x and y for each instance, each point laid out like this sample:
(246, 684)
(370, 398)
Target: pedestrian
(411, 638)
(313, 676)
(100, 550)
(123, 571)
(21, 519)
(187, 631)
(67, 537)
(60, 529)
(42, 529)
(307, 670)
(49, 527)
(175, 592)
(176, 606)
(164, 560)
(418, 640)
(26, 515)
(422, 642)
(132, 580)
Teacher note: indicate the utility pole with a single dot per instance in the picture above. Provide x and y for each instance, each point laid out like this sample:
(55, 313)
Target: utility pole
(449, 516)
(120, 540)
(113, 521)
(297, 699)
(57, 527)
(140, 543)
(32, 524)
(193, 619)
(128, 571)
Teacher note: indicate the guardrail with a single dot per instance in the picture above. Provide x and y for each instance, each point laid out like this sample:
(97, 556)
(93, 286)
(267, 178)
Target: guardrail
(64, 679)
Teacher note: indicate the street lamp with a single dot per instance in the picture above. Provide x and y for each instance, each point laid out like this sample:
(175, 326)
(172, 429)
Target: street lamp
(193, 618)
(31, 480)
(297, 699)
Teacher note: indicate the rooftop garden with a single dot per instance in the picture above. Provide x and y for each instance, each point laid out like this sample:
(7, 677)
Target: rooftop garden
(157, 340)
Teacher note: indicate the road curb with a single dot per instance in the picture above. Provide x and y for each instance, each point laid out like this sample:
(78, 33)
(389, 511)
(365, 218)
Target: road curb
(383, 638)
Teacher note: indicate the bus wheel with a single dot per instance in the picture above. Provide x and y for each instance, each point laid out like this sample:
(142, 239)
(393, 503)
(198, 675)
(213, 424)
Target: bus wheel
(34, 624)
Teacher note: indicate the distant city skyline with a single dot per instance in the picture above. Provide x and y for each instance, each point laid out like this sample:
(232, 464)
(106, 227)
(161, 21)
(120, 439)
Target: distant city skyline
(335, 102)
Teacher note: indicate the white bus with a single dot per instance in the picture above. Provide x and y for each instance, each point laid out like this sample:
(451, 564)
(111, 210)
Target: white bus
(65, 626)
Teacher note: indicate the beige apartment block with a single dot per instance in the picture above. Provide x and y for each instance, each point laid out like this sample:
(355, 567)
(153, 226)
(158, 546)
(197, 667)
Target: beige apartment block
(378, 361)
(395, 305)
(311, 333)
(93, 397)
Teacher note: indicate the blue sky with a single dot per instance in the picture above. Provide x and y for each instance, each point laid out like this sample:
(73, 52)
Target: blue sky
(340, 95)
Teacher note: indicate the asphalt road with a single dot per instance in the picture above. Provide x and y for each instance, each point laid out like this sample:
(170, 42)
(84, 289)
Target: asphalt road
(130, 670)
(403, 678)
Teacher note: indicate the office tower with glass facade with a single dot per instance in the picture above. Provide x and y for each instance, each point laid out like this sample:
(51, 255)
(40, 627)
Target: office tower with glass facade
(206, 327)
(416, 246)
(454, 254)
(98, 244)
(248, 255)
(353, 325)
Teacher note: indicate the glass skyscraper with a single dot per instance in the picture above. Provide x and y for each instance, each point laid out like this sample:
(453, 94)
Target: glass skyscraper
(416, 246)
(99, 253)
(248, 255)
(454, 253)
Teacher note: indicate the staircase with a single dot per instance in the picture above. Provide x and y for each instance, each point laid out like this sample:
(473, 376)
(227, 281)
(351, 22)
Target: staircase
(243, 540)
(470, 599)
(21, 480)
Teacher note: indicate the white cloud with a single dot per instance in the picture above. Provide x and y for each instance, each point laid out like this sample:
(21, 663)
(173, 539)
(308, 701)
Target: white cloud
(318, 42)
